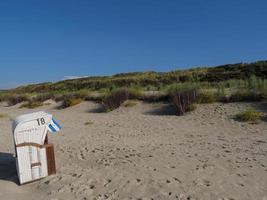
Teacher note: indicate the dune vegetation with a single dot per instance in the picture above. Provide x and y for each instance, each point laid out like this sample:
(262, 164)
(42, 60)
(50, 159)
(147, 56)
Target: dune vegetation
(182, 88)
(249, 115)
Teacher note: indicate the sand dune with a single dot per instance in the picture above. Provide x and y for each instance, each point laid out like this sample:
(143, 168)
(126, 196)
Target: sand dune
(145, 152)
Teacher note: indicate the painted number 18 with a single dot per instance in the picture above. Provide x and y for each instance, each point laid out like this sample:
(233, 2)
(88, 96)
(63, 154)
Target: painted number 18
(41, 121)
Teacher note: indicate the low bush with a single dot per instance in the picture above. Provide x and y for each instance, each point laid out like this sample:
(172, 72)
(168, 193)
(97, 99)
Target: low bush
(182, 97)
(155, 96)
(82, 94)
(59, 97)
(44, 97)
(206, 97)
(31, 104)
(2, 116)
(115, 99)
(191, 107)
(94, 97)
(88, 123)
(3, 97)
(135, 93)
(244, 95)
(15, 99)
(99, 95)
(68, 102)
(249, 115)
(5, 116)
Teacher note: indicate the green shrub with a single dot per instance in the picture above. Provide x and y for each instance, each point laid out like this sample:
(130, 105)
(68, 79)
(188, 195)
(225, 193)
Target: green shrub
(151, 88)
(220, 91)
(31, 104)
(238, 72)
(43, 97)
(3, 96)
(135, 93)
(15, 99)
(257, 84)
(191, 107)
(68, 102)
(182, 97)
(249, 115)
(181, 87)
(81, 94)
(245, 95)
(155, 96)
(250, 89)
(206, 97)
(94, 96)
(115, 99)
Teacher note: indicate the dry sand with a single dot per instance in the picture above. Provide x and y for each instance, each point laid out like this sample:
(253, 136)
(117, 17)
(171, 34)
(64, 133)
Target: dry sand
(145, 152)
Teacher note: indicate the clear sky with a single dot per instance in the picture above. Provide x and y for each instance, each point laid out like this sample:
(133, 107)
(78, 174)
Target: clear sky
(49, 40)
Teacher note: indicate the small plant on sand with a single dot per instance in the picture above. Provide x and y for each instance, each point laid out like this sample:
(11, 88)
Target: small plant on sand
(115, 98)
(206, 97)
(68, 102)
(249, 115)
(191, 107)
(88, 123)
(31, 104)
(5, 116)
(2, 115)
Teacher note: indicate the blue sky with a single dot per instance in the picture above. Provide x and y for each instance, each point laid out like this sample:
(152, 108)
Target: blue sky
(53, 39)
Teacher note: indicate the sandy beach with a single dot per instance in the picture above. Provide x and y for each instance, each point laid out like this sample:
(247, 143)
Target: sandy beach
(145, 152)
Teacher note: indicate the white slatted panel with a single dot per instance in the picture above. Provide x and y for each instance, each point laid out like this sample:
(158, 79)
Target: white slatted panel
(34, 155)
(36, 172)
(24, 164)
(43, 161)
(19, 138)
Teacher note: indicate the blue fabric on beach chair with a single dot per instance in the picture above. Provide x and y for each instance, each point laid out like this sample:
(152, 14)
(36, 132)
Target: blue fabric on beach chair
(54, 127)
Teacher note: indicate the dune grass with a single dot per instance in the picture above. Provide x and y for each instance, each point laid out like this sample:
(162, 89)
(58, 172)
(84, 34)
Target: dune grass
(150, 81)
(182, 97)
(2, 115)
(31, 104)
(191, 107)
(115, 98)
(15, 99)
(206, 96)
(88, 123)
(68, 102)
(182, 88)
(248, 115)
